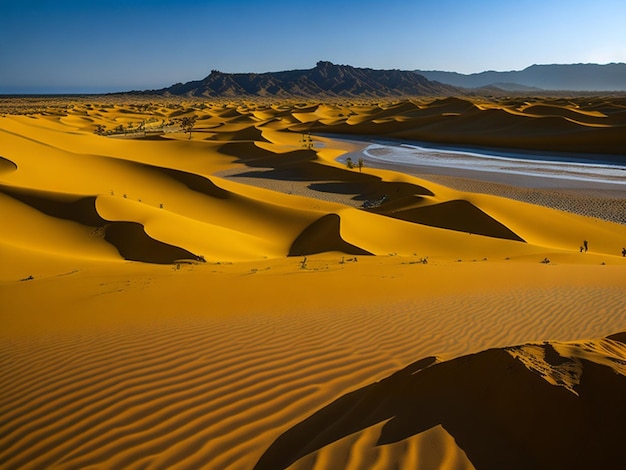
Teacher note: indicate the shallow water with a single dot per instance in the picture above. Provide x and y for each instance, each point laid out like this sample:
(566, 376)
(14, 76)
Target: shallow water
(493, 165)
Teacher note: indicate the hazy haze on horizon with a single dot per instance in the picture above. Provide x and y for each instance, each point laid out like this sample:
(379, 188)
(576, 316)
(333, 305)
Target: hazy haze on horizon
(73, 46)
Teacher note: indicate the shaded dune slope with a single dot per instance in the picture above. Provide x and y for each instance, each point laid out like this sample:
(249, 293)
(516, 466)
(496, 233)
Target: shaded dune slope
(323, 235)
(134, 244)
(233, 131)
(64, 206)
(457, 215)
(129, 238)
(6, 165)
(549, 405)
(253, 155)
(367, 188)
(198, 183)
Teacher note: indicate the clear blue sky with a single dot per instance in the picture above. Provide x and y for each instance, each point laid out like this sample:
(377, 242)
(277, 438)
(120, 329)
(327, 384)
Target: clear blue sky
(82, 46)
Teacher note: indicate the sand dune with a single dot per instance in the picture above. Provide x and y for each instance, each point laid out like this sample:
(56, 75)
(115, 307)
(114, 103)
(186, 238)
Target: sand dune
(321, 236)
(576, 127)
(177, 301)
(532, 406)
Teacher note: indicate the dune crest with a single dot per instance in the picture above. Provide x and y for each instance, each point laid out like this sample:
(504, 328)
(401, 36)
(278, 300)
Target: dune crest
(563, 364)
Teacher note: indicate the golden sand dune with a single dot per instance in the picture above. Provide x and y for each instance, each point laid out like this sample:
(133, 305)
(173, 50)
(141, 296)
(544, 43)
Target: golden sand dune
(176, 300)
(576, 115)
(576, 127)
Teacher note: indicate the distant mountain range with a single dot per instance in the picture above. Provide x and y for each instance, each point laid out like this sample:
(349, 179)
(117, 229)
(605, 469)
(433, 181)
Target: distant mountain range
(331, 80)
(326, 79)
(572, 77)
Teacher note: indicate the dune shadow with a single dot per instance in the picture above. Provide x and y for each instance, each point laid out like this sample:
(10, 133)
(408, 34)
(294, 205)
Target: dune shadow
(81, 209)
(198, 183)
(500, 413)
(283, 174)
(374, 189)
(356, 190)
(134, 244)
(227, 134)
(129, 238)
(154, 136)
(321, 236)
(251, 155)
(311, 171)
(7, 166)
(458, 215)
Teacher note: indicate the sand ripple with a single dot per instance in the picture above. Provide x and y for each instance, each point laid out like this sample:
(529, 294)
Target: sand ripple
(214, 394)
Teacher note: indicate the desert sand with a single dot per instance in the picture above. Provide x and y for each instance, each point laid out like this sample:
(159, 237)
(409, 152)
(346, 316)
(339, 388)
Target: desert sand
(221, 299)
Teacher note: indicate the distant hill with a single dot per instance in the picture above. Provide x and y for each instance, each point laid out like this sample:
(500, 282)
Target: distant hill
(326, 79)
(573, 77)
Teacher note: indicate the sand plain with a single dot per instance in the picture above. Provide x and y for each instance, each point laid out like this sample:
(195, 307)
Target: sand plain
(174, 300)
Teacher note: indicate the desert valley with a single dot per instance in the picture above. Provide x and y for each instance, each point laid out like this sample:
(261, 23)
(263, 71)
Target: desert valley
(245, 283)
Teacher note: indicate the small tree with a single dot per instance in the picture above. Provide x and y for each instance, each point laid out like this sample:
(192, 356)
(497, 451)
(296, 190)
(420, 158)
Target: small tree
(99, 130)
(360, 164)
(187, 124)
(349, 163)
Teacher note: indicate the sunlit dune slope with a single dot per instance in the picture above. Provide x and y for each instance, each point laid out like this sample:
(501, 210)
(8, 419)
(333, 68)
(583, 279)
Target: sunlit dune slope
(127, 192)
(174, 206)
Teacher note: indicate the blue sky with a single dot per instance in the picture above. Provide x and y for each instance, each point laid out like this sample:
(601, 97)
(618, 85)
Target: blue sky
(82, 46)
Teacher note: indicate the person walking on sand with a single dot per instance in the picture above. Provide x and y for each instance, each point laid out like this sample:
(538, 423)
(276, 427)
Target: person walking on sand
(585, 244)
